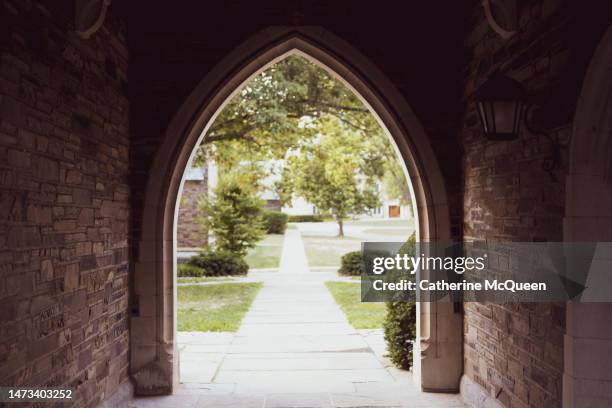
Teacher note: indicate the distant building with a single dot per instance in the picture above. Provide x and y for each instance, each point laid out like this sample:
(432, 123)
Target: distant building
(189, 232)
(392, 209)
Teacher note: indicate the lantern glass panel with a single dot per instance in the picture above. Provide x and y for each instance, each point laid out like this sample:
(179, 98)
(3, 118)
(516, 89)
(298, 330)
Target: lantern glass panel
(505, 116)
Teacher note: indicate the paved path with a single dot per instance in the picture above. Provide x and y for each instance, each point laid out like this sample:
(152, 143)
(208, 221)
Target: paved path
(294, 348)
(384, 231)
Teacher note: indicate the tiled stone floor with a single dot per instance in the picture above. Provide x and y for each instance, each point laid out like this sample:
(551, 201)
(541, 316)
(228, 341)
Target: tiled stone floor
(294, 348)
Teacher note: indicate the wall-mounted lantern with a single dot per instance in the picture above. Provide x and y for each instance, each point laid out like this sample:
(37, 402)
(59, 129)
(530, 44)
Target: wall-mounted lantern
(501, 103)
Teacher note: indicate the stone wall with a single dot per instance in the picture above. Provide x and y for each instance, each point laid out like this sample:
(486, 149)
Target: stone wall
(515, 351)
(189, 232)
(64, 202)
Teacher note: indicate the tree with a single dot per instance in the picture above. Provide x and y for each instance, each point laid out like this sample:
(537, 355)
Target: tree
(328, 172)
(269, 114)
(234, 215)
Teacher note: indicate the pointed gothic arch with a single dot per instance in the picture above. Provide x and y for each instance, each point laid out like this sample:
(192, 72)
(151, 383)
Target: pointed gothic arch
(153, 360)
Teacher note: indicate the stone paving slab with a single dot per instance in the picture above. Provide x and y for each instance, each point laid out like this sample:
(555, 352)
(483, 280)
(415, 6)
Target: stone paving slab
(232, 401)
(307, 380)
(326, 354)
(200, 367)
(282, 362)
(298, 344)
(281, 329)
(280, 318)
(184, 401)
(349, 400)
(296, 400)
(204, 337)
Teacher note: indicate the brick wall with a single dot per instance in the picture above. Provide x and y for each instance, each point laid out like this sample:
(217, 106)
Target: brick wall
(189, 231)
(515, 351)
(64, 202)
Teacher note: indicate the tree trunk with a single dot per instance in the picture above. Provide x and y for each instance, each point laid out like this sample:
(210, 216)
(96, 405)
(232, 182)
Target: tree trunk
(340, 227)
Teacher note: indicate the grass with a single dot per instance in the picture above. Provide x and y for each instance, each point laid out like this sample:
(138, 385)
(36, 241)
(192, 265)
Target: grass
(267, 253)
(214, 308)
(326, 250)
(201, 279)
(360, 315)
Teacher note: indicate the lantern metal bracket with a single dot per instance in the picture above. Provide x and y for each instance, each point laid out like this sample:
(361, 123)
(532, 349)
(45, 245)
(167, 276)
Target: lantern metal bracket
(501, 16)
(532, 124)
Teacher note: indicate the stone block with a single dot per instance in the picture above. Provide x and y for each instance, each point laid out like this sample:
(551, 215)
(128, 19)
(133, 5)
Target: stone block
(83, 248)
(73, 176)
(81, 196)
(88, 262)
(86, 216)
(38, 214)
(64, 225)
(41, 303)
(45, 169)
(24, 237)
(46, 270)
(71, 278)
(19, 159)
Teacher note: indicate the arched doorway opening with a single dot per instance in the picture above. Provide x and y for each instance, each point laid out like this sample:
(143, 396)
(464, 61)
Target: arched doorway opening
(588, 339)
(153, 324)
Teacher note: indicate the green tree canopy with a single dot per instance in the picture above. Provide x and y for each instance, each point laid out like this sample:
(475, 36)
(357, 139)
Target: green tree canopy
(271, 112)
(331, 173)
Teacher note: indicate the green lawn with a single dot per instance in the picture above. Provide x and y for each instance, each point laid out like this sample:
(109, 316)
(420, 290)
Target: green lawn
(326, 250)
(207, 279)
(267, 252)
(214, 307)
(360, 315)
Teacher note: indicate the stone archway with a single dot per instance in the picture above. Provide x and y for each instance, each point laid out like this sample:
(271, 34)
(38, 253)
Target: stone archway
(587, 378)
(153, 325)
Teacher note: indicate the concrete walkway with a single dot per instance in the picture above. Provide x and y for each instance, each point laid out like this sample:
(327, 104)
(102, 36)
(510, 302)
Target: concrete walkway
(295, 338)
(294, 348)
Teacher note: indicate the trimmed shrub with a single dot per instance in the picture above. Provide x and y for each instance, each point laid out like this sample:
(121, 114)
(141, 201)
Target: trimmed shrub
(306, 218)
(400, 322)
(275, 222)
(400, 332)
(188, 270)
(219, 263)
(351, 264)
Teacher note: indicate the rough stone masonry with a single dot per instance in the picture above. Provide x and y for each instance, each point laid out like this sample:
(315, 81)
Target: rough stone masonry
(515, 351)
(64, 203)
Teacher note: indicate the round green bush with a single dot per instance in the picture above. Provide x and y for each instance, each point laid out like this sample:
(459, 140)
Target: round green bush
(275, 222)
(219, 263)
(351, 264)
